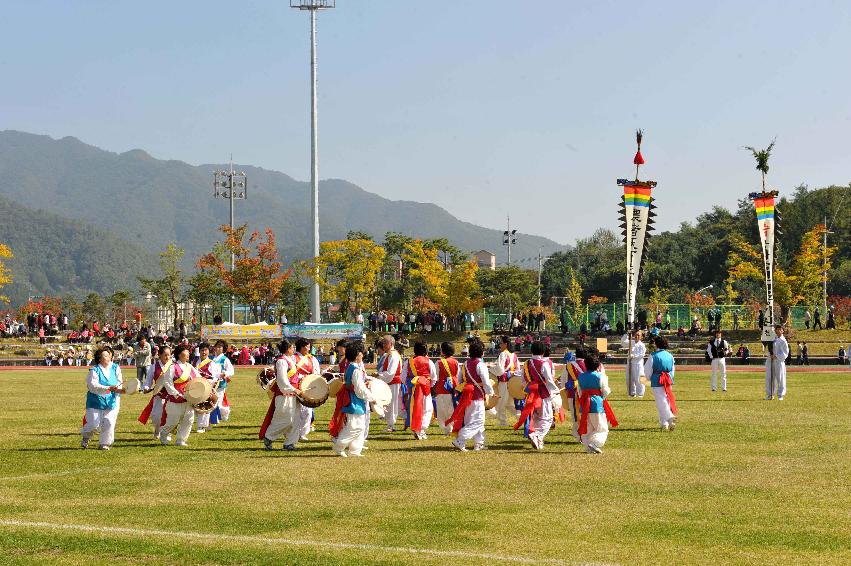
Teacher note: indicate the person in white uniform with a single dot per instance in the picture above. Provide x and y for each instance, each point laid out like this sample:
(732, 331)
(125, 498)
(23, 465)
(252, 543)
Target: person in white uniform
(775, 366)
(510, 366)
(349, 440)
(286, 414)
(635, 364)
(717, 350)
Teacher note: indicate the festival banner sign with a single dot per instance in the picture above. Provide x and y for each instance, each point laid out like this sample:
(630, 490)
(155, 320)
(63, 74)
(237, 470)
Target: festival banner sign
(314, 331)
(241, 330)
(766, 223)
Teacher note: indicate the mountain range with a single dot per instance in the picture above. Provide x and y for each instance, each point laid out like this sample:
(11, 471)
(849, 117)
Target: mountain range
(80, 218)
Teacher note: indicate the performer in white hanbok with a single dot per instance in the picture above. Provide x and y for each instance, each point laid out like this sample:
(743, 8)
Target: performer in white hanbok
(208, 370)
(349, 419)
(284, 415)
(104, 384)
(444, 389)
(153, 411)
(390, 372)
(423, 376)
(537, 414)
(775, 366)
(179, 413)
(660, 367)
(306, 364)
(223, 369)
(596, 415)
(510, 366)
(468, 419)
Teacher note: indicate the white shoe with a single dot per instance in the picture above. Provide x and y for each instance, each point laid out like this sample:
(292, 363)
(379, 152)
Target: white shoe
(165, 441)
(672, 425)
(84, 443)
(780, 398)
(179, 443)
(303, 438)
(103, 447)
(341, 453)
(459, 447)
(666, 427)
(594, 449)
(479, 447)
(201, 431)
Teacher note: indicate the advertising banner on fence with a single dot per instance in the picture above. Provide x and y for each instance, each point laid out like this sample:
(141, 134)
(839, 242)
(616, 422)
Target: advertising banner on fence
(313, 331)
(241, 330)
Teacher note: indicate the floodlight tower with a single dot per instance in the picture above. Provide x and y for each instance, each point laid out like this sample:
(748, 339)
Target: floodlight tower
(313, 6)
(509, 237)
(232, 186)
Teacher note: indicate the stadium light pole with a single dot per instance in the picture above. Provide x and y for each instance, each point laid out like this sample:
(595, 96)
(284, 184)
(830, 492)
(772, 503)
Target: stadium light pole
(313, 6)
(232, 186)
(509, 237)
(541, 260)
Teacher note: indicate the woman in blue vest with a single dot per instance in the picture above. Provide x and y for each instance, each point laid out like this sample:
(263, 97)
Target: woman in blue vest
(104, 383)
(350, 417)
(660, 368)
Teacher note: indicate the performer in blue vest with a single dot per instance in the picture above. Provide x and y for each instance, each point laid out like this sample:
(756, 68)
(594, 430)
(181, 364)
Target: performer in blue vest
(104, 383)
(660, 368)
(222, 369)
(596, 415)
(349, 419)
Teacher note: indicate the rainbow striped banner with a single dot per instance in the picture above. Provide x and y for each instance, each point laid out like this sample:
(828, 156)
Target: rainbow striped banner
(636, 196)
(764, 208)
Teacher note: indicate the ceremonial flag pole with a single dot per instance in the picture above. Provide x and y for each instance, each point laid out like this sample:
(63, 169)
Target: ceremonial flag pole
(636, 224)
(766, 220)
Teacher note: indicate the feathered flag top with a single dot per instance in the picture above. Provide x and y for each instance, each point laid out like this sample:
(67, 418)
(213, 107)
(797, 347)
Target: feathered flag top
(636, 216)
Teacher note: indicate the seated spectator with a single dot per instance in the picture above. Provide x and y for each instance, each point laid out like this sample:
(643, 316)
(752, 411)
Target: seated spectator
(842, 355)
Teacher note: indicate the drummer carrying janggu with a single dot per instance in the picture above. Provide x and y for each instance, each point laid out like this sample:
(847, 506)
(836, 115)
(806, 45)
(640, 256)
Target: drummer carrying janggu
(349, 418)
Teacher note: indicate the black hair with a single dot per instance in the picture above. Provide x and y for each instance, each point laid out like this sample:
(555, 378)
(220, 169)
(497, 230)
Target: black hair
(353, 349)
(447, 349)
(477, 349)
(342, 343)
(301, 343)
(99, 352)
(420, 349)
(537, 348)
(661, 343)
(222, 343)
(507, 341)
(179, 348)
(283, 346)
(592, 358)
(547, 351)
(204, 345)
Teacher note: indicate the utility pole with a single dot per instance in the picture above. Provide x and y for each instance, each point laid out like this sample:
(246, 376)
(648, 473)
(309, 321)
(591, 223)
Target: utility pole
(541, 260)
(825, 232)
(509, 237)
(232, 186)
(312, 6)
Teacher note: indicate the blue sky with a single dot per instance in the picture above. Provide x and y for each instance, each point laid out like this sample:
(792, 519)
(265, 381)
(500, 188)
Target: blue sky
(483, 107)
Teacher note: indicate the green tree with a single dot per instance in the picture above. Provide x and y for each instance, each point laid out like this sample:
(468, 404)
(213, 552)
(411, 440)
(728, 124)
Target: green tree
(93, 308)
(509, 288)
(170, 288)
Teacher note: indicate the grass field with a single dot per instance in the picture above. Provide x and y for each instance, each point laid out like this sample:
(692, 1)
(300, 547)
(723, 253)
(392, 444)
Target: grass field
(741, 481)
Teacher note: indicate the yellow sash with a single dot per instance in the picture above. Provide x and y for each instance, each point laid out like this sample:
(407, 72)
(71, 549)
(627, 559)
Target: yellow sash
(185, 376)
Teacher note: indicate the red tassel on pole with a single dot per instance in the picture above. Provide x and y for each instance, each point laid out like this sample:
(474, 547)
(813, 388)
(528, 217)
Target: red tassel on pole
(638, 159)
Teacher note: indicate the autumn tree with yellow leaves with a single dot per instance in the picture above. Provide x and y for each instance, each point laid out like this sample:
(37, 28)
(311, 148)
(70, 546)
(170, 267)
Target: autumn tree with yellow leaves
(810, 264)
(462, 289)
(426, 276)
(347, 273)
(5, 274)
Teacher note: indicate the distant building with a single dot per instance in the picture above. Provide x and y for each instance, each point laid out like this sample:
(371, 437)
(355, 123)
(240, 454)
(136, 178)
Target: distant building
(485, 259)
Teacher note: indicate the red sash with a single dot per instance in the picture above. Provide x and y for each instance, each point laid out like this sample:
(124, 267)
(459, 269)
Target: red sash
(145, 415)
(421, 384)
(665, 381)
(292, 375)
(338, 419)
(180, 383)
(585, 404)
(534, 397)
(468, 395)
